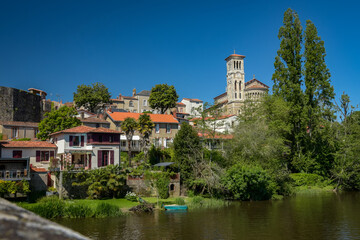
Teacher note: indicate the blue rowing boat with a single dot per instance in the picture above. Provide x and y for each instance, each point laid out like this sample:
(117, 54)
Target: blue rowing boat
(175, 207)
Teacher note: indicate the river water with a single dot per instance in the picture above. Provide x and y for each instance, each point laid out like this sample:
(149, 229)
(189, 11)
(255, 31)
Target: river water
(306, 216)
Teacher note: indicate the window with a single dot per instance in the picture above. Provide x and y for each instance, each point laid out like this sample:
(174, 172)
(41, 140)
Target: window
(235, 95)
(15, 132)
(181, 110)
(35, 132)
(157, 128)
(17, 154)
(131, 104)
(44, 156)
(111, 139)
(145, 102)
(168, 141)
(168, 128)
(76, 141)
(123, 143)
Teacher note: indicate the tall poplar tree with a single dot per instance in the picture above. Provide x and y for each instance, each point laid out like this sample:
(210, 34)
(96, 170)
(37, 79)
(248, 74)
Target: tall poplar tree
(319, 96)
(288, 77)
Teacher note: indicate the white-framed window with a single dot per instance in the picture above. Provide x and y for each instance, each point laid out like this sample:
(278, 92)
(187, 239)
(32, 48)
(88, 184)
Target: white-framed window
(131, 104)
(157, 128)
(168, 128)
(15, 132)
(145, 102)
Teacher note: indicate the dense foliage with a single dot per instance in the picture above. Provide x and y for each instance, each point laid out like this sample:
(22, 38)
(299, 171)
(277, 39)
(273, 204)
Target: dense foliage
(163, 97)
(92, 97)
(249, 183)
(57, 120)
(13, 187)
(107, 182)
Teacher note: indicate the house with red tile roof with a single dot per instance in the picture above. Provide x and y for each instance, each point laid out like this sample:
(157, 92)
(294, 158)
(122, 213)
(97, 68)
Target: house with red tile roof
(16, 130)
(19, 157)
(238, 92)
(87, 147)
(193, 106)
(163, 134)
(223, 125)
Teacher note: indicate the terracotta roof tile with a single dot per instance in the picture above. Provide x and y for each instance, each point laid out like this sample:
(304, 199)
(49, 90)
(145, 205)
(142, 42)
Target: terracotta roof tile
(256, 86)
(28, 144)
(220, 96)
(86, 129)
(19, 124)
(93, 120)
(255, 80)
(180, 103)
(156, 118)
(217, 136)
(36, 169)
(193, 99)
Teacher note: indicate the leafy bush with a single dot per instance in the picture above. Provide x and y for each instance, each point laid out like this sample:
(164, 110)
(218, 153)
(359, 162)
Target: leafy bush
(130, 196)
(245, 182)
(197, 200)
(179, 201)
(162, 185)
(11, 187)
(308, 179)
(21, 139)
(78, 211)
(107, 210)
(107, 182)
(49, 207)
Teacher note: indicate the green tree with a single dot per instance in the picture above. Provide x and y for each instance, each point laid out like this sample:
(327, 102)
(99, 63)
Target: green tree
(145, 127)
(129, 125)
(57, 120)
(319, 109)
(92, 97)
(346, 167)
(187, 149)
(288, 78)
(249, 183)
(163, 97)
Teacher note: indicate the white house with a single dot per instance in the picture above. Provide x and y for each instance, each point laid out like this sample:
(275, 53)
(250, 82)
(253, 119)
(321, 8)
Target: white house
(193, 106)
(87, 147)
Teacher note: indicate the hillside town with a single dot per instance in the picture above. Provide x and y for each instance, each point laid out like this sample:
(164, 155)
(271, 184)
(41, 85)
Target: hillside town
(100, 139)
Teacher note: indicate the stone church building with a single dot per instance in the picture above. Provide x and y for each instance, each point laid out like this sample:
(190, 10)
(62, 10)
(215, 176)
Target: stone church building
(237, 90)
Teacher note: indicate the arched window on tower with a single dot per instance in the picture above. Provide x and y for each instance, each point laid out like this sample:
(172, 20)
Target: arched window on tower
(237, 65)
(240, 95)
(234, 64)
(235, 85)
(240, 85)
(235, 95)
(240, 65)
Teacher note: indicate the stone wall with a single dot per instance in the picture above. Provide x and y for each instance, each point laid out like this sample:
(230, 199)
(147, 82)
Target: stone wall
(19, 105)
(18, 223)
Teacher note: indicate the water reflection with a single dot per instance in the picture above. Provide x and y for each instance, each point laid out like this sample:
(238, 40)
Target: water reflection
(324, 216)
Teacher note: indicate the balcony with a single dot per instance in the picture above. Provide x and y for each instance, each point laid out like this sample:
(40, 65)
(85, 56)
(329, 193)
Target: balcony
(14, 175)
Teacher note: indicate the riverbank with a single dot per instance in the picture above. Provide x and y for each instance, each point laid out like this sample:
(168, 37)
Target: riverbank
(52, 207)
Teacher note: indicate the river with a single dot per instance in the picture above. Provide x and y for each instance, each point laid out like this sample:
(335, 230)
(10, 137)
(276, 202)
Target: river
(305, 216)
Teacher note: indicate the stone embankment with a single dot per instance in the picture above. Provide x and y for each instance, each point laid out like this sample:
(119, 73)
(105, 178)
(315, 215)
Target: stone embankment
(18, 223)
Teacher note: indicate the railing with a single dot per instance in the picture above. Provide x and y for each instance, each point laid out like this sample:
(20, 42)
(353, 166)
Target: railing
(14, 174)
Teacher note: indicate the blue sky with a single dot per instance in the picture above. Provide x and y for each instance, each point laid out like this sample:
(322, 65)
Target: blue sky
(57, 45)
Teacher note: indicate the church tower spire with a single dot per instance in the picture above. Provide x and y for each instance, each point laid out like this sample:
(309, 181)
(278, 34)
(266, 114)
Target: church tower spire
(235, 77)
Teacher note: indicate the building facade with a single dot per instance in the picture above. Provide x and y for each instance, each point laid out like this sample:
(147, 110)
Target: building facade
(163, 134)
(86, 147)
(237, 90)
(16, 130)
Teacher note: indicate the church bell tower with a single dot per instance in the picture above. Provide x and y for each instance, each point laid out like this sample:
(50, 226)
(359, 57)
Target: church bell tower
(235, 77)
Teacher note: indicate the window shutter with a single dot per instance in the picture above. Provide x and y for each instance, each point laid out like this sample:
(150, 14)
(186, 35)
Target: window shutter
(89, 161)
(112, 157)
(37, 156)
(82, 141)
(71, 141)
(88, 138)
(99, 158)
